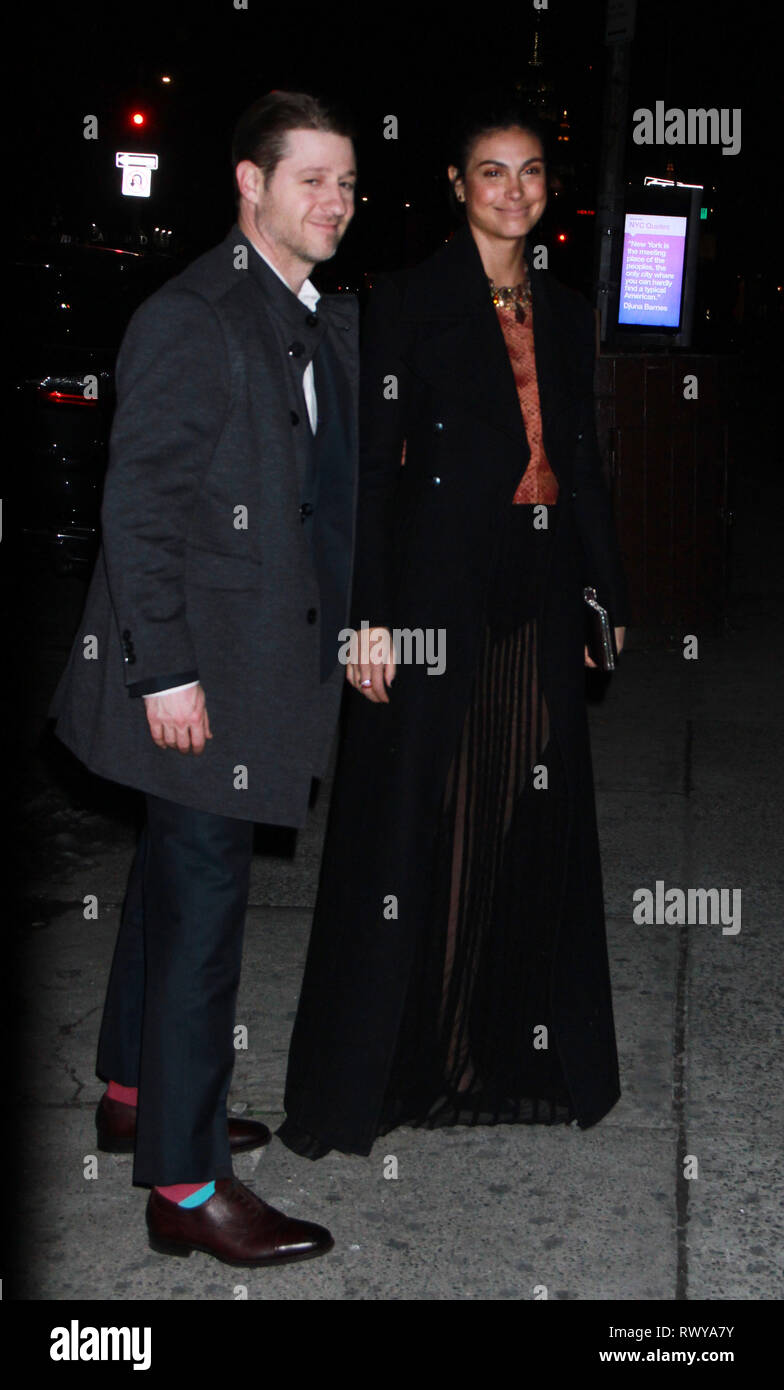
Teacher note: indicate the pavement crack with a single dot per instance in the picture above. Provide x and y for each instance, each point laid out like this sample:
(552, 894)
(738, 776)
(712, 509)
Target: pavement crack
(71, 1071)
(67, 1028)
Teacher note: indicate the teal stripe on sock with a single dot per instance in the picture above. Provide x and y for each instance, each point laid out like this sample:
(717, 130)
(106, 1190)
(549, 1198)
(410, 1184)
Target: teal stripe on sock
(196, 1198)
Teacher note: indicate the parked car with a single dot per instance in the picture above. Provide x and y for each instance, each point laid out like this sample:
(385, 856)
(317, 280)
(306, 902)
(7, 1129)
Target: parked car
(73, 303)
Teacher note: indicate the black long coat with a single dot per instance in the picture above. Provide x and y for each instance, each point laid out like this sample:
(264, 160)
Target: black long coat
(211, 418)
(435, 373)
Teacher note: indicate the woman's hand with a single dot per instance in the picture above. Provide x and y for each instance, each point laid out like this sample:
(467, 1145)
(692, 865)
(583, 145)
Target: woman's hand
(620, 633)
(374, 672)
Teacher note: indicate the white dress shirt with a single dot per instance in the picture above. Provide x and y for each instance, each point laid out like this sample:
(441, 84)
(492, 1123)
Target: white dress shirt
(309, 296)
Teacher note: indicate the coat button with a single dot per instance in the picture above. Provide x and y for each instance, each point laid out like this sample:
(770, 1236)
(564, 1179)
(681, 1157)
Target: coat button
(126, 634)
(296, 349)
(580, 435)
(294, 417)
(438, 425)
(435, 480)
(312, 615)
(130, 659)
(306, 509)
(312, 320)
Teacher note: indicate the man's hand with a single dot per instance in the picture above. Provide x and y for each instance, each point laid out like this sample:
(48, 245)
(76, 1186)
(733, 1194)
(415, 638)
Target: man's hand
(620, 633)
(180, 720)
(372, 674)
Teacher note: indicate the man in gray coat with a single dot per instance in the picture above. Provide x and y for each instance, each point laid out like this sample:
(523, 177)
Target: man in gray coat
(206, 668)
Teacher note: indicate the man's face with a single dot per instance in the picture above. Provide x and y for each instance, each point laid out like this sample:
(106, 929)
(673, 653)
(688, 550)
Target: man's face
(304, 208)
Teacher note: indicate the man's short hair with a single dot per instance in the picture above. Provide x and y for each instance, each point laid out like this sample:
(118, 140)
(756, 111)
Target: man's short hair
(261, 132)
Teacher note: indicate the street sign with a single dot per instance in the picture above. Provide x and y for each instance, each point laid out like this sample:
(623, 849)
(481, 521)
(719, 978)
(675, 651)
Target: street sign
(137, 172)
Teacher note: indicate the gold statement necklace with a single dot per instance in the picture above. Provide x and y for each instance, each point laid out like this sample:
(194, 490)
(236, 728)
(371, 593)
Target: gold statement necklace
(517, 297)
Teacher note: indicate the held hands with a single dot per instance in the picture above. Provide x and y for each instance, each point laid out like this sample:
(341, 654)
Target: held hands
(371, 645)
(620, 633)
(179, 720)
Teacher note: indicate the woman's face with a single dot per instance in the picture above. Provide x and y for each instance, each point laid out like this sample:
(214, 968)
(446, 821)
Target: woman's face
(504, 188)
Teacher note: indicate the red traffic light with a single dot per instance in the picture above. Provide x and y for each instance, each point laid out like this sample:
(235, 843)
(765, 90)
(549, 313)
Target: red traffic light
(138, 118)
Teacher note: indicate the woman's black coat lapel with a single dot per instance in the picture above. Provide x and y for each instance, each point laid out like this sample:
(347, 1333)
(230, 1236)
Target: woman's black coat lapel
(459, 346)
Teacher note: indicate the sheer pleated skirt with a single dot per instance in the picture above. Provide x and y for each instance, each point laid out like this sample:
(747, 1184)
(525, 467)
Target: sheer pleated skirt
(476, 1043)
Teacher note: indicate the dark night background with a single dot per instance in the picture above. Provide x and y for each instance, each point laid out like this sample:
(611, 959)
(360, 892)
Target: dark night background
(420, 64)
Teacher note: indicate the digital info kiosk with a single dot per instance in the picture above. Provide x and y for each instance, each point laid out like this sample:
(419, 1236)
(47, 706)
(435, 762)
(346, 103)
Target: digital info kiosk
(658, 267)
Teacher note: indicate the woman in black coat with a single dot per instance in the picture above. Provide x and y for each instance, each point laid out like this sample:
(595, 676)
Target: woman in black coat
(457, 969)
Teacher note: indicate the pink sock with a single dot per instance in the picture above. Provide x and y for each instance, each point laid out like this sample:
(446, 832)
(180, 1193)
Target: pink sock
(127, 1095)
(179, 1191)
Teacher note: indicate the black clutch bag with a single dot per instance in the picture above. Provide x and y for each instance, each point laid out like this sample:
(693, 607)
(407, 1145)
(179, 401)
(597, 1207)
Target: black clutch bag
(599, 634)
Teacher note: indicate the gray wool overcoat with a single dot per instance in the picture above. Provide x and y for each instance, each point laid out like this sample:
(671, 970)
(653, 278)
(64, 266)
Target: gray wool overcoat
(205, 567)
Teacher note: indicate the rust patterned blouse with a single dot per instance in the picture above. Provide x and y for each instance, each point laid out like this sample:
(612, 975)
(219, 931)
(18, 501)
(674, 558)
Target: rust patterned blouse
(538, 483)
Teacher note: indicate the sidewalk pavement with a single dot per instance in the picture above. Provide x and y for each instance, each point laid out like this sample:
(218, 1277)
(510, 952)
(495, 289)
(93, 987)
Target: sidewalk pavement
(675, 1194)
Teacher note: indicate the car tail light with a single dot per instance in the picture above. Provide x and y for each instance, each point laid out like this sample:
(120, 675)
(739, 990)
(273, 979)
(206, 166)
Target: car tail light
(58, 390)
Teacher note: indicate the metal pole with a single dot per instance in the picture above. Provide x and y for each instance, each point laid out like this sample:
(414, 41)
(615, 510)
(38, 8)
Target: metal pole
(609, 220)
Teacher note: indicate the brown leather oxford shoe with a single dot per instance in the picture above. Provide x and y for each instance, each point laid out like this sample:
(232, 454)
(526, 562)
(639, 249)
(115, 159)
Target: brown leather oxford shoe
(116, 1126)
(235, 1226)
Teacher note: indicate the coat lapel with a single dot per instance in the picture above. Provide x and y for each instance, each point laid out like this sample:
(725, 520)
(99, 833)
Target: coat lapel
(458, 346)
(338, 320)
(341, 315)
